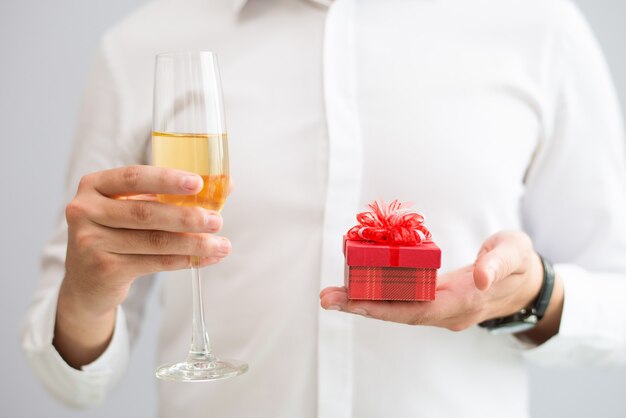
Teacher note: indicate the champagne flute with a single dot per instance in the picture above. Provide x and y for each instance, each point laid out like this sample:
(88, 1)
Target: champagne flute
(189, 133)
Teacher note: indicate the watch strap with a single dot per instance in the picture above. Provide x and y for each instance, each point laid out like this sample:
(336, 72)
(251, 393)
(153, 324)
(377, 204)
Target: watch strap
(545, 294)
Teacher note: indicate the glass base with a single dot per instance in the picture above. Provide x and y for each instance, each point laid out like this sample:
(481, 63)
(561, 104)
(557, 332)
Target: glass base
(201, 370)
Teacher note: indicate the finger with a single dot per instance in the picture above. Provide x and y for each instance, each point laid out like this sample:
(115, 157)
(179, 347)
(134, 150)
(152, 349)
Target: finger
(505, 258)
(483, 277)
(455, 278)
(334, 298)
(128, 241)
(144, 179)
(331, 289)
(397, 311)
(413, 313)
(137, 214)
(141, 265)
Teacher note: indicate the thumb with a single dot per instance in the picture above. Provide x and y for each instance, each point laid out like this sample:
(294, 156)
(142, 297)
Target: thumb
(502, 257)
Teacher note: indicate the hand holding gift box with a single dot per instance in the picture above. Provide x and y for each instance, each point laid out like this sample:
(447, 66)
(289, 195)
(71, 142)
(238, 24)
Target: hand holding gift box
(390, 255)
(505, 277)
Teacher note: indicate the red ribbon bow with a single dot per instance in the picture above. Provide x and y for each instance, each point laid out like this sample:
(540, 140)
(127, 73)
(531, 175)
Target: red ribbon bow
(392, 224)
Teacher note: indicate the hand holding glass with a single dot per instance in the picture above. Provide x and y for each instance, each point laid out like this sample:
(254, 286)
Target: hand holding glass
(189, 133)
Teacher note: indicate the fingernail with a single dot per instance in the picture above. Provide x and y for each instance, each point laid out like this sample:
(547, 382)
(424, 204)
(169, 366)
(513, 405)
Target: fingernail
(359, 311)
(190, 182)
(334, 308)
(223, 246)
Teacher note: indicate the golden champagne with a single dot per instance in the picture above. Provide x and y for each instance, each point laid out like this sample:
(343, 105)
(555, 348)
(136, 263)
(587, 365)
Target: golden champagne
(203, 154)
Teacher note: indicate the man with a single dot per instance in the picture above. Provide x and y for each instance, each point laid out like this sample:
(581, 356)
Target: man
(492, 116)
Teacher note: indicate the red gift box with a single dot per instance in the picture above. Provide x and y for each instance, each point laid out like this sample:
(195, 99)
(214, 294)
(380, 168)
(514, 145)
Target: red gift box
(390, 256)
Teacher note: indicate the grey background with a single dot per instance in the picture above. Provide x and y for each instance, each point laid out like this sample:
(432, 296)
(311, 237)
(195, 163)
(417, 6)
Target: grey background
(46, 48)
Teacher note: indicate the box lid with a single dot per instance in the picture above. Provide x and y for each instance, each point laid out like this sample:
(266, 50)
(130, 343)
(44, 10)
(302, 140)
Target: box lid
(360, 253)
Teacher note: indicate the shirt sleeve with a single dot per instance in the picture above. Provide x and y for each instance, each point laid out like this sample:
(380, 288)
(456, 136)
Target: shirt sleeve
(101, 143)
(77, 388)
(575, 201)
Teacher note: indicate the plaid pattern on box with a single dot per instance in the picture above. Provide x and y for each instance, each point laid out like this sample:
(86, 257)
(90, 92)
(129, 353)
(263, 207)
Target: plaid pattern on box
(391, 283)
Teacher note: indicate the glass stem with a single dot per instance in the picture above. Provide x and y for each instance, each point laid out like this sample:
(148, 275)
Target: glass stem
(200, 349)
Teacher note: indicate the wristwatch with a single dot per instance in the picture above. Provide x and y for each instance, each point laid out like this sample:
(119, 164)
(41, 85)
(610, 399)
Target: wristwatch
(527, 318)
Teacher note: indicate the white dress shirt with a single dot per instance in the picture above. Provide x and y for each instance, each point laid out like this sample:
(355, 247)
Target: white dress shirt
(488, 114)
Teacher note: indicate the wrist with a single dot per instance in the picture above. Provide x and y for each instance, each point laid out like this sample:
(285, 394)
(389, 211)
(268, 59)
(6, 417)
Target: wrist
(76, 306)
(87, 299)
(82, 330)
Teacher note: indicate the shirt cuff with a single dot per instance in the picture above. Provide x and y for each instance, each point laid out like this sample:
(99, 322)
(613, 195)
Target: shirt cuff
(78, 388)
(593, 322)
